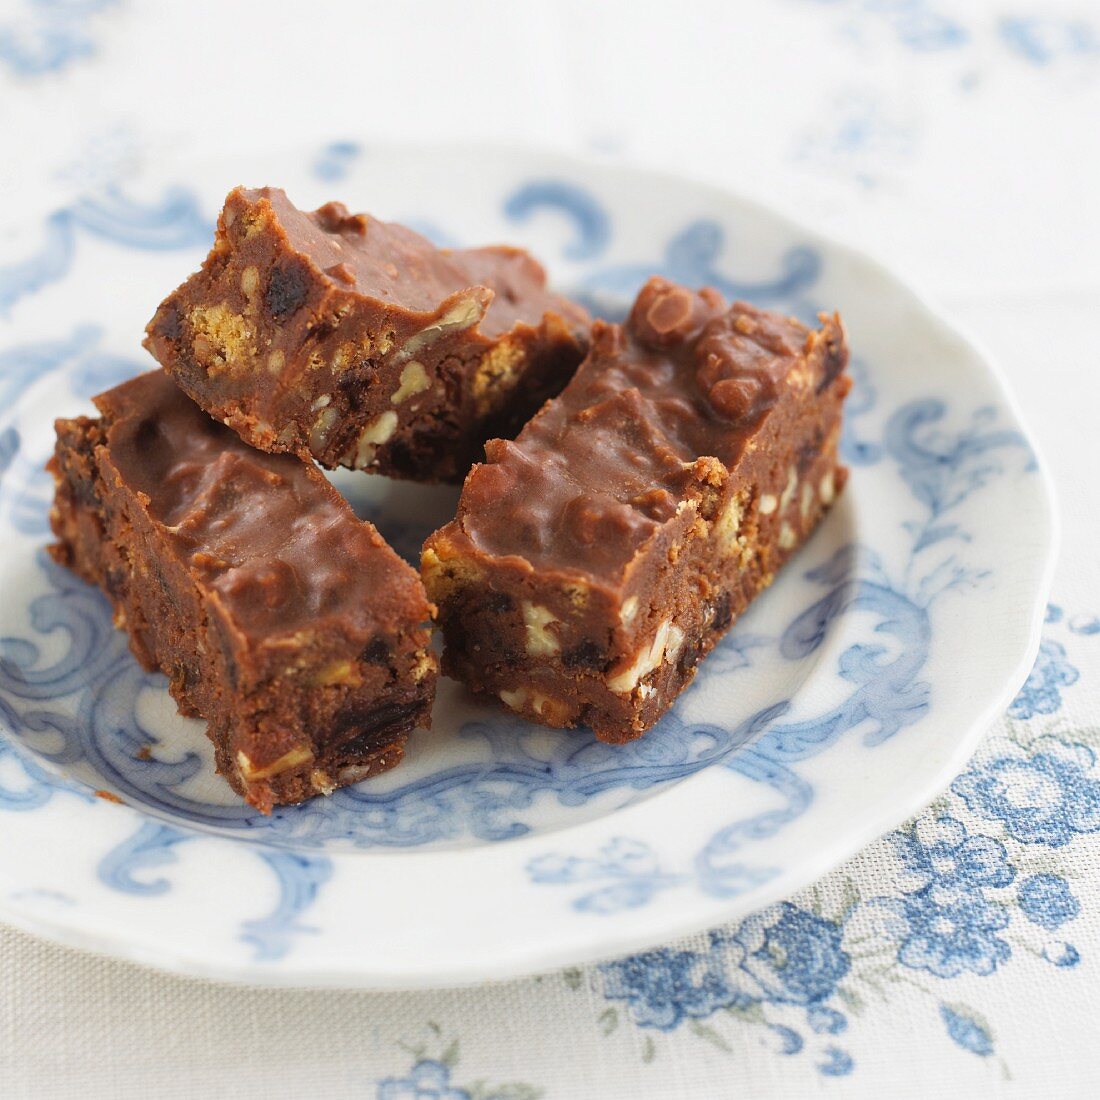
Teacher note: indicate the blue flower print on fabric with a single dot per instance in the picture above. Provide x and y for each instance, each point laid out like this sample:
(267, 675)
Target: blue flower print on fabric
(940, 855)
(826, 1021)
(943, 922)
(922, 28)
(783, 959)
(782, 955)
(966, 1031)
(1085, 624)
(837, 1063)
(792, 955)
(917, 25)
(1047, 794)
(665, 986)
(1045, 40)
(431, 1075)
(427, 1080)
(951, 931)
(1046, 900)
(1061, 954)
(1041, 692)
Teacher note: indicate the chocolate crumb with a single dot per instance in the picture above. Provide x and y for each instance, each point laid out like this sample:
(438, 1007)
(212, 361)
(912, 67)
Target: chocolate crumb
(344, 272)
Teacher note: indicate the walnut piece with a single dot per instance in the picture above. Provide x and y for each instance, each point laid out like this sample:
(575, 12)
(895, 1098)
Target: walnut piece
(466, 313)
(414, 380)
(645, 661)
(541, 642)
(295, 758)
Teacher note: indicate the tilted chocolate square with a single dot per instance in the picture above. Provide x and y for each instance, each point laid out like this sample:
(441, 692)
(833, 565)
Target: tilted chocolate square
(359, 343)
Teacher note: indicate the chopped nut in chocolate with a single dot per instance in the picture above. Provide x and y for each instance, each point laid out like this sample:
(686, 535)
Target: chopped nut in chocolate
(597, 558)
(284, 621)
(419, 354)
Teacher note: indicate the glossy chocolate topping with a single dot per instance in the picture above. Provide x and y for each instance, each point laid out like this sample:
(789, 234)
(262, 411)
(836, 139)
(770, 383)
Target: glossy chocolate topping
(604, 465)
(390, 263)
(267, 533)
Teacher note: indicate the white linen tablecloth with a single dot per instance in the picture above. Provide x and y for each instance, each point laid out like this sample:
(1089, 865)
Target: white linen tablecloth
(958, 142)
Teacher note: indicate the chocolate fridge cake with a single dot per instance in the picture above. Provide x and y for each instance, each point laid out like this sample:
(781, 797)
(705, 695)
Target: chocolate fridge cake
(277, 615)
(595, 560)
(357, 342)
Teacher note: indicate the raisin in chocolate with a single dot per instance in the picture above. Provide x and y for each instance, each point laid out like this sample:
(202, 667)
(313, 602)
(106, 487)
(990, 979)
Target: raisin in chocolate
(287, 290)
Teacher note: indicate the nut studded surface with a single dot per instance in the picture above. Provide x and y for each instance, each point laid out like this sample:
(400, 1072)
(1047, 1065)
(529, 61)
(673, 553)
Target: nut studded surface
(594, 561)
(358, 343)
(276, 614)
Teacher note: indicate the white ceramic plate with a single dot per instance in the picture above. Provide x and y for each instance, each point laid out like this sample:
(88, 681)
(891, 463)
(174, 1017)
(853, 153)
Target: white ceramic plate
(843, 701)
